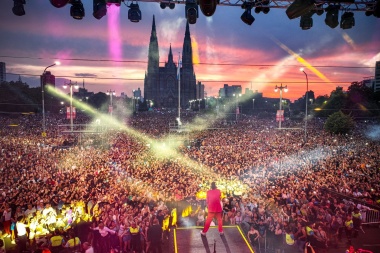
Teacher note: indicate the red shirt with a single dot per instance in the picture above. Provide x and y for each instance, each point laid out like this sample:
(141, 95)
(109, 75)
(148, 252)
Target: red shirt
(213, 201)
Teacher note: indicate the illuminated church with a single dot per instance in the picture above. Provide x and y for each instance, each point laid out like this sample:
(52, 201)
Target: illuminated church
(161, 83)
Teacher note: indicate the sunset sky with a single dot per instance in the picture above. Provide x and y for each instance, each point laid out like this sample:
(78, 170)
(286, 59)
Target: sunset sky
(111, 53)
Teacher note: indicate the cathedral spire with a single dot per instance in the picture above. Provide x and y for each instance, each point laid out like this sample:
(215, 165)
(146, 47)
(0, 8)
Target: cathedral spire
(187, 33)
(187, 53)
(154, 26)
(153, 55)
(170, 57)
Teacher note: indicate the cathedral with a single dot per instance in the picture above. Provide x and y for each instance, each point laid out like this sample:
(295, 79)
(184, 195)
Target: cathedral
(161, 83)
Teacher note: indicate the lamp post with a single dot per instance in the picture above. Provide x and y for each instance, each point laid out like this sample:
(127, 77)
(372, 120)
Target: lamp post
(71, 85)
(285, 88)
(43, 97)
(111, 93)
(217, 105)
(306, 101)
(253, 105)
(237, 105)
(179, 88)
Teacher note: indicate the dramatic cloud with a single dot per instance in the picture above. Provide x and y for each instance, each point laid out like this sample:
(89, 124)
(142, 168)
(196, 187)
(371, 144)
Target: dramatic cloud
(112, 52)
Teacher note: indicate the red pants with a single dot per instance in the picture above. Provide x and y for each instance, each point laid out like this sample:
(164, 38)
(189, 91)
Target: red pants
(210, 217)
(7, 226)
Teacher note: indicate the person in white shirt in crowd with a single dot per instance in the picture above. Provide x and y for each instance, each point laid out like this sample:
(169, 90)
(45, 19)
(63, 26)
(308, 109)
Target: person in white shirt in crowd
(21, 234)
(88, 248)
(7, 219)
(104, 236)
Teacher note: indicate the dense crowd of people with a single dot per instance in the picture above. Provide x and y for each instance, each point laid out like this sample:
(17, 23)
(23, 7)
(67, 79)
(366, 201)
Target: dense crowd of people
(121, 191)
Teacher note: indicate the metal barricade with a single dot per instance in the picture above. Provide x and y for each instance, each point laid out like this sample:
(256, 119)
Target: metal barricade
(371, 217)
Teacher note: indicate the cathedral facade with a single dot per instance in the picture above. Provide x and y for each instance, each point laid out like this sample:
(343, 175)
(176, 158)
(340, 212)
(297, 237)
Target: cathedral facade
(161, 83)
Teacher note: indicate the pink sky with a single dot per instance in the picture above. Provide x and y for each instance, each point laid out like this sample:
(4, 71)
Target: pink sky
(55, 35)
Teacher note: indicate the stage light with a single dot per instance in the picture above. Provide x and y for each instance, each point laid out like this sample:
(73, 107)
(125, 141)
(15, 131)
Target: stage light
(208, 7)
(266, 10)
(100, 8)
(257, 10)
(368, 13)
(347, 21)
(376, 10)
(191, 11)
(162, 5)
(18, 7)
(171, 6)
(299, 8)
(319, 12)
(332, 12)
(77, 9)
(247, 17)
(59, 3)
(307, 21)
(134, 13)
(115, 2)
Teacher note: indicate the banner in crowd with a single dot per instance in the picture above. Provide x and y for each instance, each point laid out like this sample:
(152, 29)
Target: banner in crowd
(280, 115)
(68, 112)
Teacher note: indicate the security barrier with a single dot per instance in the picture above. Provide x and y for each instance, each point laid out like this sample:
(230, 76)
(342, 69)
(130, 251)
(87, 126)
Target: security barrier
(371, 217)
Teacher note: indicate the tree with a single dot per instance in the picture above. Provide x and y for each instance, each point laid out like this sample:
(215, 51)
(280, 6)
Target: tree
(339, 123)
(361, 101)
(99, 101)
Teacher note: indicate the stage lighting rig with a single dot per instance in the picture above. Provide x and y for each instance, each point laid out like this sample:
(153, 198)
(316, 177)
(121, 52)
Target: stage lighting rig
(262, 6)
(247, 17)
(77, 9)
(134, 13)
(170, 5)
(347, 21)
(376, 10)
(191, 11)
(208, 7)
(332, 16)
(299, 8)
(99, 8)
(306, 21)
(319, 11)
(115, 2)
(18, 7)
(59, 3)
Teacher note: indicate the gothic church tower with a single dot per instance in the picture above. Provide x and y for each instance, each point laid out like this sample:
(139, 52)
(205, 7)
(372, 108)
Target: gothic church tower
(161, 83)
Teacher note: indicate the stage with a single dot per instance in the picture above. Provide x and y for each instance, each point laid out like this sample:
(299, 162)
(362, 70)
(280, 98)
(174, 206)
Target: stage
(189, 240)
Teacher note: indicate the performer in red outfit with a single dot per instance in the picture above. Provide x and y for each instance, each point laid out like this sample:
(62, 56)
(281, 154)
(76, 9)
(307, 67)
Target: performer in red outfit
(214, 205)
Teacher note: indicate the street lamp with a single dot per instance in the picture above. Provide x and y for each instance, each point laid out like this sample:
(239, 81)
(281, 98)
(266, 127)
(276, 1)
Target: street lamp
(135, 102)
(237, 105)
(253, 105)
(217, 105)
(111, 93)
(285, 88)
(306, 100)
(43, 97)
(71, 85)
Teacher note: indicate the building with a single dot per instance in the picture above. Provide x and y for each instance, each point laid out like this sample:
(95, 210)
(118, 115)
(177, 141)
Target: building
(228, 91)
(83, 94)
(200, 91)
(368, 82)
(136, 93)
(377, 77)
(48, 79)
(2, 72)
(161, 83)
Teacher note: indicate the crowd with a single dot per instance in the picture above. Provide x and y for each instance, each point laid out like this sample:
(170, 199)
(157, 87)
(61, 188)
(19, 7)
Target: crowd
(119, 194)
